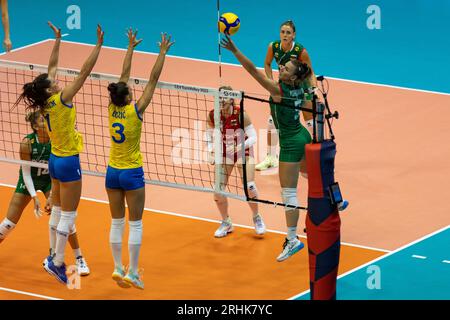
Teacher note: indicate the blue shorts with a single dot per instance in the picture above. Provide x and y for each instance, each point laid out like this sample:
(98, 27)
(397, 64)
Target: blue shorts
(64, 169)
(125, 179)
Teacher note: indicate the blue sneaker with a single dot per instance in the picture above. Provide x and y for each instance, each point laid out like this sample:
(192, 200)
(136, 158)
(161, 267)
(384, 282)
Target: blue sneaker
(47, 260)
(343, 205)
(58, 272)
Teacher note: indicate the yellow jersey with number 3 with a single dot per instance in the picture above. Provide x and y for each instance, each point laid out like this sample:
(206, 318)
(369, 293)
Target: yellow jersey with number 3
(60, 122)
(125, 125)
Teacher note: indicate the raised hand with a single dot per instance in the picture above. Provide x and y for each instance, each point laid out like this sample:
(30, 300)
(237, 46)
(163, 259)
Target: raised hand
(56, 30)
(100, 34)
(132, 38)
(228, 44)
(165, 43)
(7, 44)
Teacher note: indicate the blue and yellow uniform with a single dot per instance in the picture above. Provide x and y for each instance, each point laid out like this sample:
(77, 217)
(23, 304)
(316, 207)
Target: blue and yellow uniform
(67, 143)
(125, 159)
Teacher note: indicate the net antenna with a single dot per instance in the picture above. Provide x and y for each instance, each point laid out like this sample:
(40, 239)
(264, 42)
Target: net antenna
(218, 44)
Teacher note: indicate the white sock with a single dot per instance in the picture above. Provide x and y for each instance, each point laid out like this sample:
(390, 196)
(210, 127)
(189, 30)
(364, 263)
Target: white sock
(62, 234)
(134, 244)
(115, 240)
(6, 227)
(55, 216)
(292, 233)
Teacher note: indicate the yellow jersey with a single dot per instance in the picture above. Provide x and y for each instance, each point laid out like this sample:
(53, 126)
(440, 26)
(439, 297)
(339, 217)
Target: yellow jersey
(60, 122)
(125, 125)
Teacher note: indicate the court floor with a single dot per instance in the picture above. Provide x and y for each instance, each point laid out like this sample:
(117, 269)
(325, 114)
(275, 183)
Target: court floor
(397, 222)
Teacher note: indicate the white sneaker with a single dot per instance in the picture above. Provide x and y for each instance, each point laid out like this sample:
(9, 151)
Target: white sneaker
(260, 227)
(225, 228)
(290, 247)
(268, 162)
(82, 267)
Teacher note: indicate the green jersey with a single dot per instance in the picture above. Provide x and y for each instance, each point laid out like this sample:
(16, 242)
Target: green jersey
(282, 57)
(40, 152)
(287, 120)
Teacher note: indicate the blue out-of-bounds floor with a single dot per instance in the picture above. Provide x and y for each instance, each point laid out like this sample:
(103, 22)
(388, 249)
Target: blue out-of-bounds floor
(420, 271)
(409, 49)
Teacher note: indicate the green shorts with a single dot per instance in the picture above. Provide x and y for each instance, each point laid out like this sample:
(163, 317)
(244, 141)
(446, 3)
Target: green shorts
(292, 149)
(43, 184)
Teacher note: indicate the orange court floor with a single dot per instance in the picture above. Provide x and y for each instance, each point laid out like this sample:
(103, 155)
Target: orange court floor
(180, 256)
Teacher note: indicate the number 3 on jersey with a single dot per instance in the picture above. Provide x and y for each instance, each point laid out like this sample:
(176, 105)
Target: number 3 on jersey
(119, 131)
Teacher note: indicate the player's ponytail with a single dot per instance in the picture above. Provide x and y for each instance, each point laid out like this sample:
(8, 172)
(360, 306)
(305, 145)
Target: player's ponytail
(302, 71)
(118, 92)
(35, 93)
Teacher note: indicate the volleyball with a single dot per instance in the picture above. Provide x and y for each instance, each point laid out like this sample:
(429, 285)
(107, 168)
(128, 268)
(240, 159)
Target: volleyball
(229, 23)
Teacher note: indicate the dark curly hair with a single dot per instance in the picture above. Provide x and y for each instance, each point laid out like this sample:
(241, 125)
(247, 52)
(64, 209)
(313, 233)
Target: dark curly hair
(118, 93)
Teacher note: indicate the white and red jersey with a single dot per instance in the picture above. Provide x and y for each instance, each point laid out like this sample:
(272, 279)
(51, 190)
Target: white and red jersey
(232, 133)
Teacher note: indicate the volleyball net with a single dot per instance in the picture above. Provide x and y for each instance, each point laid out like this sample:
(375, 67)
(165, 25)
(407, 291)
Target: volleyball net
(174, 141)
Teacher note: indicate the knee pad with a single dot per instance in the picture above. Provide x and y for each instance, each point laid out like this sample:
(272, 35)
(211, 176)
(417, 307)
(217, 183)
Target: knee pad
(289, 196)
(135, 236)
(55, 216)
(6, 227)
(252, 190)
(116, 232)
(67, 222)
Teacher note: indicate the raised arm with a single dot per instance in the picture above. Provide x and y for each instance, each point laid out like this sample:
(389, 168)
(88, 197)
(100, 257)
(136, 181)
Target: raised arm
(71, 89)
(269, 84)
(312, 81)
(126, 69)
(146, 97)
(5, 21)
(268, 62)
(53, 62)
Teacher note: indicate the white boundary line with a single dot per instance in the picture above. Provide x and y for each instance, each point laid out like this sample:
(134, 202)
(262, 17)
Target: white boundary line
(25, 47)
(29, 294)
(215, 221)
(238, 65)
(380, 258)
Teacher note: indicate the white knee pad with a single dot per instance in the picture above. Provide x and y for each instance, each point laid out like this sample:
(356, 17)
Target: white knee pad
(6, 227)
(67, 222)
(252, 190)
(136, 229)
(270, 124)
(116, 232)
(55, 216)
(289, 196)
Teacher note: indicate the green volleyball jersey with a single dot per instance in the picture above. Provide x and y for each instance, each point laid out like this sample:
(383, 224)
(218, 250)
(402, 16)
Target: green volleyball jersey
(40, 152)
(287, 120)
(282, 57)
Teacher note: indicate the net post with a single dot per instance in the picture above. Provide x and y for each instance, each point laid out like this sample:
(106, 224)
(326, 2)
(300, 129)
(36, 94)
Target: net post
(244, 160)
(217, 145)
